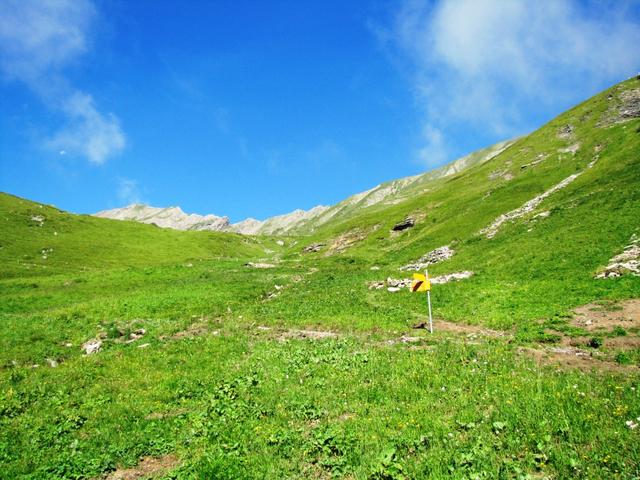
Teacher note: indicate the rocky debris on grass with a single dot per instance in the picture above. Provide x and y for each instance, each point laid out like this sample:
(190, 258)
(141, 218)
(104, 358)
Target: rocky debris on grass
(449, 277)
(566, 132)
(491, 230)
(544, 214)
(52, 362)
(404, 339)
(626, 262)
(259, 265)
(539, 158)
(630, 107)
(280, 243)
(395, 284)
(196, 329)
(92, 346)
(572, 149)
(144, 345)
(314, 247)
(39, 219)
(307, 335)
(626, 108)
(392, 284)
(278, 290)
(434, 256)
(347, 239)
(375, 267)
(148, 467)
(136, 335)
(46, 252)
(403, 225)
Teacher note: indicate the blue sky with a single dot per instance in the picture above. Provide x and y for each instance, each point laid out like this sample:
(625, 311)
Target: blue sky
(252, 109)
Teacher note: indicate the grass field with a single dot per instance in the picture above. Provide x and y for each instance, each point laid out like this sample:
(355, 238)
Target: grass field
(301, 370)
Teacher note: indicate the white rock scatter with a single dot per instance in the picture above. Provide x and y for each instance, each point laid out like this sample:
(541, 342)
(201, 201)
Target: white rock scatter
(626, 262)
(572, 149)
(491, 230)
(92, 346)
(259, 265)
(434, 256)
(449, 277)
(136, 335)
(395, 285)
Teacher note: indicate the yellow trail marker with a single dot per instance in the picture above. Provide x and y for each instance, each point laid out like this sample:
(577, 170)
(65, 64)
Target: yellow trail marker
(421, 283)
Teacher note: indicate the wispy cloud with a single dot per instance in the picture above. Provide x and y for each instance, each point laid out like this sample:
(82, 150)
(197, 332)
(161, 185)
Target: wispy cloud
(484, 63)
(39, 39)
(129, 191)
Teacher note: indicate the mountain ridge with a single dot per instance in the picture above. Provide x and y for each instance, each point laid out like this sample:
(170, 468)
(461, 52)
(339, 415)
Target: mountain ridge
(301, 221)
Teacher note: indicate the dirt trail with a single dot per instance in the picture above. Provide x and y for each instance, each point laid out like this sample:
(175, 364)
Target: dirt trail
(468, 330)
(148, 467)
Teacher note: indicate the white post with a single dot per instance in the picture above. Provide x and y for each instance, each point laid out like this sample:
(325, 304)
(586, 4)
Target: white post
(426, 274)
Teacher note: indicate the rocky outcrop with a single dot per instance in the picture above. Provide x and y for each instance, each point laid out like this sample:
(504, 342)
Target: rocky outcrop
(403, 225)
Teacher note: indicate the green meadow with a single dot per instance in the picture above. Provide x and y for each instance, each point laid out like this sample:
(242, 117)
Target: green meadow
(301, 370)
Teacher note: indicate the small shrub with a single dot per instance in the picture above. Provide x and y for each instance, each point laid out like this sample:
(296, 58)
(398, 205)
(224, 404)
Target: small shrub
(595, 342)
(619, 331)
(623, 358)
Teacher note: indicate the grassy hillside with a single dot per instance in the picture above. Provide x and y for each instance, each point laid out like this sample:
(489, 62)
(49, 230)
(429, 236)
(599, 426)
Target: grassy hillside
(299, 370)
(39, 239)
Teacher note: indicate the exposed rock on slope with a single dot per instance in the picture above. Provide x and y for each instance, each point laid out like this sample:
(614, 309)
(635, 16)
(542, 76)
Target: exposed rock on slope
(172, 217)
(626, 262)
(491, 230)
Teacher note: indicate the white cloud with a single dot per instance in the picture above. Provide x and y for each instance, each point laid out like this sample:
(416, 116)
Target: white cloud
(434, 151)
(89, 132)
(487, 64)
(38, 40)
(128, 191)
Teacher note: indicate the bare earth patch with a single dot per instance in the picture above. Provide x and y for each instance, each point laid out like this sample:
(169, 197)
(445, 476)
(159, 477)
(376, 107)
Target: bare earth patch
(574, 358)
(348, 239)
(307, 335)
(574, 352)
(294, 334)
(196, 329)
(594, 317)
(466, 329)
(148, 467)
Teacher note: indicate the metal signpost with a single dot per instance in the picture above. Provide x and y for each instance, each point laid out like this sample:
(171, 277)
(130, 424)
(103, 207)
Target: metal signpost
(421, 283)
